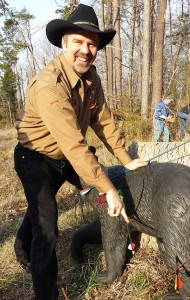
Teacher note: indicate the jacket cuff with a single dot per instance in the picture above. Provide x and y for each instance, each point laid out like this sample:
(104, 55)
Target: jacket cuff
(124, 158)
(103, 185)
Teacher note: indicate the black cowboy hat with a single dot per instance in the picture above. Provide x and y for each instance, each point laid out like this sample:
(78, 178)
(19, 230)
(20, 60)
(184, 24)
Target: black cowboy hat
(83, 17)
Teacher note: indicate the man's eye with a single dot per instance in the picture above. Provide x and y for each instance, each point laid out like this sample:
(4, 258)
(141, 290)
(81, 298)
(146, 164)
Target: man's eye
(92, 45)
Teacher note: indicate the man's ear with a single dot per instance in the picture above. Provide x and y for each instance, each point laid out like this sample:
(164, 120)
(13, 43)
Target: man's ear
(64, 44)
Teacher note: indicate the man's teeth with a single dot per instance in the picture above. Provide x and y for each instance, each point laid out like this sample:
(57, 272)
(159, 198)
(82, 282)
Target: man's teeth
(82, 59)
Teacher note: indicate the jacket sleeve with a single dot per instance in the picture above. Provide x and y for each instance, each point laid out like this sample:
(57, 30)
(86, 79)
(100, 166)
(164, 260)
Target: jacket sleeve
(104, 126)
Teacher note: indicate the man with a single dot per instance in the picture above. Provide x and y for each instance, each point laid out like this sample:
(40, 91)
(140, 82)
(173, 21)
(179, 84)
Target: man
(184, 117)
(161, 116)
(62, 101)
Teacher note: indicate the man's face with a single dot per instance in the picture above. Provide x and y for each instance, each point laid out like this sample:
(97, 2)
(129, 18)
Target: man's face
(80, 49)
(168, 101)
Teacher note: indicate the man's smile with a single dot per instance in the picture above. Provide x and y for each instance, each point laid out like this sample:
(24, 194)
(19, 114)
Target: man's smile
(83, 59)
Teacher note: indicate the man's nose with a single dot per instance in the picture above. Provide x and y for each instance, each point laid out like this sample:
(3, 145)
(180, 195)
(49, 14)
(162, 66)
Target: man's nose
(85, 48)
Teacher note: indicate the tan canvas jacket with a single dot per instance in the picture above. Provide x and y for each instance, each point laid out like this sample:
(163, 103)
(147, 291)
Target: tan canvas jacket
(58, 110)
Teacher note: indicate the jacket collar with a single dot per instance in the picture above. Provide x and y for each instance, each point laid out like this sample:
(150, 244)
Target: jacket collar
(72, 76)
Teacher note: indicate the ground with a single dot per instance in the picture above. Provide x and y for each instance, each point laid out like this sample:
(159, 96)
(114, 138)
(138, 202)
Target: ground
(145, 277)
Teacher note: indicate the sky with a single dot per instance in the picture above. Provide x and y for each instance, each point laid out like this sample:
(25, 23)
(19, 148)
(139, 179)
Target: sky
(43, 10)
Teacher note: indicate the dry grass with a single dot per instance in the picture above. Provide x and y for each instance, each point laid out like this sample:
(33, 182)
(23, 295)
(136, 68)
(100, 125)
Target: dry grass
(139, 280)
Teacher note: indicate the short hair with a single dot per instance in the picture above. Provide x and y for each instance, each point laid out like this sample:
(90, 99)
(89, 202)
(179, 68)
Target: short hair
(169, 97)
(64, 38)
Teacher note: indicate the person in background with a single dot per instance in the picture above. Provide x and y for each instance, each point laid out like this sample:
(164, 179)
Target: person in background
(184, 117)
(63, 100)
(160, 118)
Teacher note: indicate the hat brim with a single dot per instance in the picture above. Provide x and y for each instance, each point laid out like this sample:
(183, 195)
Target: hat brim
(55, 29)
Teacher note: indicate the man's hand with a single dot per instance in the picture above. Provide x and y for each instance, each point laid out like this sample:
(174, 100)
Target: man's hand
(115, 204)
(136, 163)
(170, 119)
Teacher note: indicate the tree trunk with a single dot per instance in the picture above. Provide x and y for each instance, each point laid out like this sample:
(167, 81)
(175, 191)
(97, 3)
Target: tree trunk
(104, 57)
(131, 51)
(151, 53)
(19, 91)
(110, 57)
(188, 78)
(157, 79)
(117, 54)
(146, 58)
(171, 39)
(139, 52)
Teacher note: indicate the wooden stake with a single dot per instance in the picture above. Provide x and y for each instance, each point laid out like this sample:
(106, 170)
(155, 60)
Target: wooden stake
(64, 294)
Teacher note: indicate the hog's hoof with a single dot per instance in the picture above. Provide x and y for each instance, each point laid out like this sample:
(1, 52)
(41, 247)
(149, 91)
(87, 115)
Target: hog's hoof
(105, 277)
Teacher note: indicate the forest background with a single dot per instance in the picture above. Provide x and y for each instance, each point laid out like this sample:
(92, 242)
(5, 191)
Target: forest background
(148, 58)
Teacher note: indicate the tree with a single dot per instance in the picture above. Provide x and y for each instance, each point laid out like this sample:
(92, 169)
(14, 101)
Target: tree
(146, 58)
(139, 38)
(8, 94)
(177, 45)
(157, 78)
(131, 51)
(187, 83)
(66, 10)
(104, 53)
(110, 56)
(12, 42)
(117, 53)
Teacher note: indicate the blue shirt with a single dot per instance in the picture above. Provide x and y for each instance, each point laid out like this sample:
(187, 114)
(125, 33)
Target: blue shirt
(162, 110)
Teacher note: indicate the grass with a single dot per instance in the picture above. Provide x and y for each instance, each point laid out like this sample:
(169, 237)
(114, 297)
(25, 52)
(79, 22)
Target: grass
(78, 282)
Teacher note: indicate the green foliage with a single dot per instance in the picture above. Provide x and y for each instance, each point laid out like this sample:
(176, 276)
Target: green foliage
(92, 280)
(137, 129)
(3, 7)
(8, 92)
(12, 41)
(140, 280)
(67, 9)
